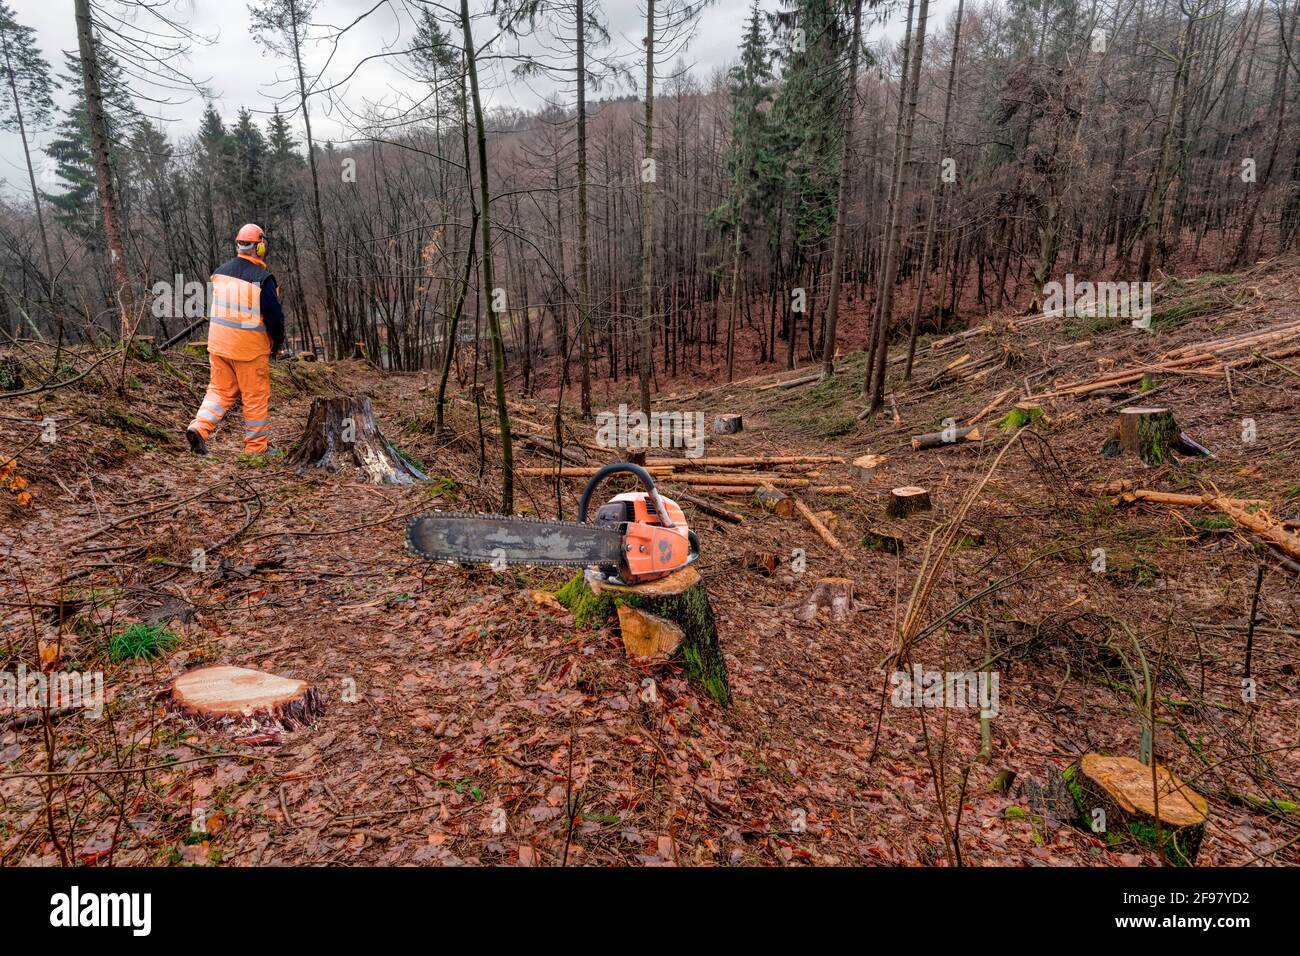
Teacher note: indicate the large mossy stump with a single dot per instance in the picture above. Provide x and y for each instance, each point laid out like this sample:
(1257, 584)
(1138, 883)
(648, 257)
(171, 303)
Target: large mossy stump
(1121, 787)
(652, 615)
(1151, 434)
(342, 428)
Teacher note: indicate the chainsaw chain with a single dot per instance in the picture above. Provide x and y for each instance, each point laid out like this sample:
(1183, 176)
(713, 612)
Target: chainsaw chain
(511, 519)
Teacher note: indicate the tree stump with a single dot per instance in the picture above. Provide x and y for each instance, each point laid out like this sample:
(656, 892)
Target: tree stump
(728, 424)
(225, 695)
(1121, 788)
(306, 356)
(906, 501)
(865, 467)
(680, 600)
(833, 594)
(1151, 433)
(777, 502)
(647, 636)
(343, 428)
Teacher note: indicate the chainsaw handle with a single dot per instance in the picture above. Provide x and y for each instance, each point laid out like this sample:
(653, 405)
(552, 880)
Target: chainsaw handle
(640, 473)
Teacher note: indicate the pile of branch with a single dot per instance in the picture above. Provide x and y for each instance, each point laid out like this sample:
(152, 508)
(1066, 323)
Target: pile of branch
(1249, 513)
(1212, 359)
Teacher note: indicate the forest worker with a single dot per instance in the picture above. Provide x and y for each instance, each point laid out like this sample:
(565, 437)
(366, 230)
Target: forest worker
(245, 328)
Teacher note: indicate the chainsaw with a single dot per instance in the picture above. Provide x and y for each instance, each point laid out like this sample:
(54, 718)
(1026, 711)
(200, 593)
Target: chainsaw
(636, 537)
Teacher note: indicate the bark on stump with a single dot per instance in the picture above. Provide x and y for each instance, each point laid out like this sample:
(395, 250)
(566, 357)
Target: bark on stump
(1149, 433)
(679, 599)
(777, 502)
(325, 442)
(1121, 787)
(225, 695)
(907, 500)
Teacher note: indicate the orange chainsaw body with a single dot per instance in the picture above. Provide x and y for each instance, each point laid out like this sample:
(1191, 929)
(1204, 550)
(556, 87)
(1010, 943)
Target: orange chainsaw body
(650, 550)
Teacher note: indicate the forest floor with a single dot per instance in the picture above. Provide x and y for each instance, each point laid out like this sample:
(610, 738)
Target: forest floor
(452, 694)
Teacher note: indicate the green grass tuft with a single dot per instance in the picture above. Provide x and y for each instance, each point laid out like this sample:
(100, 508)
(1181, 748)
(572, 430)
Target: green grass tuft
(141, 642)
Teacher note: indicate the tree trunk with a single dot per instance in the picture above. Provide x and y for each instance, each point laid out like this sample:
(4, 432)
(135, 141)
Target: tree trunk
(647, 212)
(95, 117)
(841, 206)
(494, 321)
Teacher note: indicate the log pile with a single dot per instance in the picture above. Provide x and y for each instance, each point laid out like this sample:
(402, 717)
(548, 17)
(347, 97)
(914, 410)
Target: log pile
(1213, 359)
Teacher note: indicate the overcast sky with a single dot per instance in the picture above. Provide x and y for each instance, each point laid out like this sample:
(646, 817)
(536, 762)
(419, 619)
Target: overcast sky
(239, 72)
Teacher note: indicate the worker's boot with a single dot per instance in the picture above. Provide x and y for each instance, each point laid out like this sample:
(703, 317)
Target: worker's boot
(197, 445)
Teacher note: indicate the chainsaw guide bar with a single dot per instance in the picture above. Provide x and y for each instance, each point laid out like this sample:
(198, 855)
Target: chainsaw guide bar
(495, 539)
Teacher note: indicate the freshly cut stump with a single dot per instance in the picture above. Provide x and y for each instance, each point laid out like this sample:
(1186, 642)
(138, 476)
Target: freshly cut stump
(865, 467)
(226, 694)
(907, 500)
(1149, 433)
(728, 424)
(329, 439)
(679, 599)
(1122, 788)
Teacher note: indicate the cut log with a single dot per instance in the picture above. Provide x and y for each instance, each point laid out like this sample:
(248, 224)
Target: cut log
(1122, 788)
(742, 461)
(548, 446)
(954, 436)
(830, 519)
(760, 562)
(823, 532)
(907, 500)
(728, 424)
(777, 502)
(774, 481)
(865, 467)
(709, 508)
(647, 636)
(832, 489)
(343, 428)
(306, 356)
(236, 695)
(833, 594)
(680, 599)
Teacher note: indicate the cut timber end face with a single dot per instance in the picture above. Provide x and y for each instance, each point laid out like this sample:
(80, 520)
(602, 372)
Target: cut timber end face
(235, 694)
(648, 636)
(728, 424)
(1122, 788)
(343, 428)
(865, 468)
(679, 582)
(907, 500)
(777, 502)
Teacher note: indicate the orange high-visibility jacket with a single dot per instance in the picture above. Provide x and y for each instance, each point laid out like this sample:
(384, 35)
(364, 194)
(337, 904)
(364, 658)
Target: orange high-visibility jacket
(236, 326)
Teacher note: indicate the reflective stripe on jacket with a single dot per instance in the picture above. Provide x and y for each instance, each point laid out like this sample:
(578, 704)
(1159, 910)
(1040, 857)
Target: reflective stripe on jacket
(235, 326)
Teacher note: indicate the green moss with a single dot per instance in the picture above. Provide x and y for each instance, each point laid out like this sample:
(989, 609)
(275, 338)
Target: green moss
(589, 610)
(1145, 833)
(700, 655)
(1015, 813)
(134, 432)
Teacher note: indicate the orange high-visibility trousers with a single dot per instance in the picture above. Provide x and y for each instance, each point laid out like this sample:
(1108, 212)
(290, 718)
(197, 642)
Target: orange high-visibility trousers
(231, 380)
